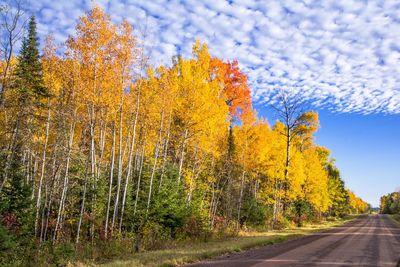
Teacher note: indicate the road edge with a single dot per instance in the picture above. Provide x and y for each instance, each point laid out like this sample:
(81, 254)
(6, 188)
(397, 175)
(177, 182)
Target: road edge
(279, 242)
(392, 219)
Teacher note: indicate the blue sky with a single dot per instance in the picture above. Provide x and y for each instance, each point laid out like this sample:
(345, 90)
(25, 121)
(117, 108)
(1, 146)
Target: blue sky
(343, 55)
(366, 148)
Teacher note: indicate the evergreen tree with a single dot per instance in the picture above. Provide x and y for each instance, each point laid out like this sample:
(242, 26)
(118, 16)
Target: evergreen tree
(15, 202)
(29, 74)
(28, 92)
(16, 216)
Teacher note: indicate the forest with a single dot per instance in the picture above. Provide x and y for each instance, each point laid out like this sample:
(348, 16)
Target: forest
(98, 147)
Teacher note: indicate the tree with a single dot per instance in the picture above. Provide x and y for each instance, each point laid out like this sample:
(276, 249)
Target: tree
(105, 53)
(29, 81)
(13, 23)
(390, 203)
(297, 124)
(338, 196)
(236, 89)
(315, 188)
(27, 101)
(356, 204)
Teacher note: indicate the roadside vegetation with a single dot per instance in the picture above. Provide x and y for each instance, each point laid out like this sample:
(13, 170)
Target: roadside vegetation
(390, 204)
(192, 252)
(104, 156)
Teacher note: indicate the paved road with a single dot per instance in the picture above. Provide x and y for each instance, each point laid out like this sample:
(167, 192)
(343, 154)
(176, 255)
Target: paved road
(372, 240)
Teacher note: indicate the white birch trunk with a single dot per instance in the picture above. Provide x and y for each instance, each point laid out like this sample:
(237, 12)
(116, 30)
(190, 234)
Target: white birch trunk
(182, 155)
(82, 205)
(139, 178)
(156, 152)
(110, 183)
(42, 171)
(66, 179)
(129, 171)
(165, 152)
(120, 159)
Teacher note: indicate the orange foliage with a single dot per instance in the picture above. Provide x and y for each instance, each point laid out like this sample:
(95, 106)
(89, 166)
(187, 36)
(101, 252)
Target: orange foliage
(236, 89)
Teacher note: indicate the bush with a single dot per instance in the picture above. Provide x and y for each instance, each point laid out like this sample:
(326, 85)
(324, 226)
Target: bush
(302, 211)
(282, 222)
(253, 213)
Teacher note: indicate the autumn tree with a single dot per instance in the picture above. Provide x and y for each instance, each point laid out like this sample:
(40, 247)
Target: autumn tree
(337, 192)
(390, 203)
(356, 204)
(297, 123)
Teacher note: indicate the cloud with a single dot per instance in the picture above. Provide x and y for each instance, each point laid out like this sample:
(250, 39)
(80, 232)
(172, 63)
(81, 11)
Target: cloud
(343, 55)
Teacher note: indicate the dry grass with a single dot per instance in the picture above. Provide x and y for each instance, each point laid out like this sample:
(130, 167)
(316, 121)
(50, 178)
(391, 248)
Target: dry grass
(395, 218)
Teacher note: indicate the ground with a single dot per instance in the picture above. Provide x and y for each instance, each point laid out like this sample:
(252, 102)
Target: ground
(372, 240)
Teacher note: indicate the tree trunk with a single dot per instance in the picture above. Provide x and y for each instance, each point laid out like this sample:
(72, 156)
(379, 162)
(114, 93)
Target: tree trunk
(139, 178)
(156, 152)
(165, 152)
(83, 204)
(192, 178)
(38, 201)
(110, 183)
(93, 173)
(182, 155)
(240, 198)
(54, 185)
(129, 171)
(66, 179)
(286, 174)
(119, 178)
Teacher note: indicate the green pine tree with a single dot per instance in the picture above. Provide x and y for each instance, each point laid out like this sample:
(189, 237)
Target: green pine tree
(29, 74)
(29, 95)
(29, 91)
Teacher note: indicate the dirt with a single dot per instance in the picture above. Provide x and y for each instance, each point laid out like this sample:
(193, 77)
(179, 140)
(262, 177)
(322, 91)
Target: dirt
(372, 240)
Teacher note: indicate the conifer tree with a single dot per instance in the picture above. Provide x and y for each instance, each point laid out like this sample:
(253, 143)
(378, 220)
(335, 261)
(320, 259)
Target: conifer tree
(27, 102)
(28, 74)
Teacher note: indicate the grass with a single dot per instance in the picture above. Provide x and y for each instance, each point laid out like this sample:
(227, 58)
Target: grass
(395, 218)
(196, 251)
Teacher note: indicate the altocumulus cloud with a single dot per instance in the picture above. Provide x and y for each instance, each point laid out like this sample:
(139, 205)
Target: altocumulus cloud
(342, 55)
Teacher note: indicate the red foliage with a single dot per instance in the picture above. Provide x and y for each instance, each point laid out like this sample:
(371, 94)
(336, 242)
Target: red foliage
(102, 233)
(236, 88)
(219, 222)
(9, 220)
(192, 228)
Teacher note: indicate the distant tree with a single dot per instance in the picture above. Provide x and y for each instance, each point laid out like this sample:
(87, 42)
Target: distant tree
(337, 191)
(390, 203)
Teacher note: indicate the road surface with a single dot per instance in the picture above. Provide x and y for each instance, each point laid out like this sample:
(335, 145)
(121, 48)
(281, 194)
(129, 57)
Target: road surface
(371, 240)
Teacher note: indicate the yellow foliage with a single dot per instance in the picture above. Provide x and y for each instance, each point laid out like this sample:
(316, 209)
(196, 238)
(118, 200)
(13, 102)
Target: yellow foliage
(315, 186)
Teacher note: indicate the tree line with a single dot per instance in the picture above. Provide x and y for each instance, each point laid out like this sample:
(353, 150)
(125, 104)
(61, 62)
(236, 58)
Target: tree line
(98, 145)
(390, 203)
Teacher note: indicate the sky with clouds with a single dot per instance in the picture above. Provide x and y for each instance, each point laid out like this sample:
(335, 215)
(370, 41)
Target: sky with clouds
(342, 55)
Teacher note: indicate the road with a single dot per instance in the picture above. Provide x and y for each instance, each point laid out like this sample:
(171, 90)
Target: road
(371, 240)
